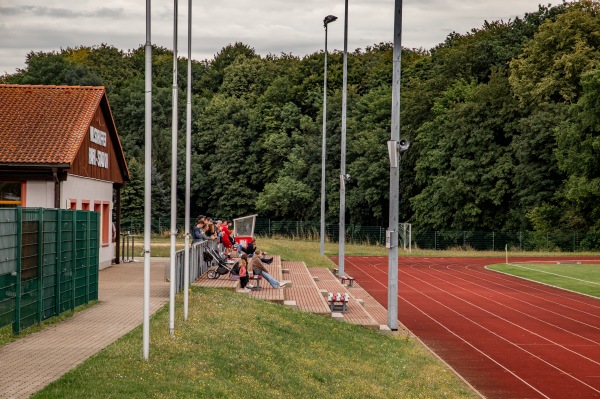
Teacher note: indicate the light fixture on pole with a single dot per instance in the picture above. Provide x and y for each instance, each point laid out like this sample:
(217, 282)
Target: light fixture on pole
(326, 21)
(342, 227)
(395, 147)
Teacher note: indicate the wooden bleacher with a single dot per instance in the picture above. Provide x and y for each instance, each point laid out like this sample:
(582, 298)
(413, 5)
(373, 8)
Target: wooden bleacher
(356, 313)
(307, 290)
(304, 290)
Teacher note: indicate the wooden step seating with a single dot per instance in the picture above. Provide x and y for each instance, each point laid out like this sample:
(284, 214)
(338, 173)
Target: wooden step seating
(269, 293)
(355, 313)
(375, 309)
(307, 294)
(221, 282)
(304, 291)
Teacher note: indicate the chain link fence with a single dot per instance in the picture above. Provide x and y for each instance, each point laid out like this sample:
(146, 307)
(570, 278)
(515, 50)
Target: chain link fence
(421, 239)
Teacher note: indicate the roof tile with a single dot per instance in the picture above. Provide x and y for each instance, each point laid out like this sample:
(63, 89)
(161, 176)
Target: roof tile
(45, 124)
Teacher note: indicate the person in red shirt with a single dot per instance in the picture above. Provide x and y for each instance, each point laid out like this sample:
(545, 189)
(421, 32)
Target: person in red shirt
(225, 239)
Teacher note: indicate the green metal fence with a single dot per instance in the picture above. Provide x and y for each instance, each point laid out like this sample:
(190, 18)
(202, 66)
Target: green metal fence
(49, 262)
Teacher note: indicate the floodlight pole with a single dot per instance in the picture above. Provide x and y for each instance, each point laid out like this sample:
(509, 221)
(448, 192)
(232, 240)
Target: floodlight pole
(326, 21)
(394, 174)
(173, 179)
(147, 183)
(188, 167)
(343, 177)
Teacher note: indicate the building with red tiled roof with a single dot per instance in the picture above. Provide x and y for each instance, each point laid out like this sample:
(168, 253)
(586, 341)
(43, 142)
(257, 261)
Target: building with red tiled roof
(59, 148)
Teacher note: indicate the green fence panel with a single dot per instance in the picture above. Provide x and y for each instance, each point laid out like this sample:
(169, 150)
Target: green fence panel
(49, 262)
(8, 264)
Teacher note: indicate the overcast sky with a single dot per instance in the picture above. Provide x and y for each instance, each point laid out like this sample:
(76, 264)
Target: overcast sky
(269, 26)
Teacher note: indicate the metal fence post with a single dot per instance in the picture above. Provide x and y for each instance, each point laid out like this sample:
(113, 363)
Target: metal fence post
(59, 261)
(40, 263)
(17, 323)
(87, 257)
(73, 259)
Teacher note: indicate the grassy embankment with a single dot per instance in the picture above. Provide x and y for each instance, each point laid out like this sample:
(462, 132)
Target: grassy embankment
(232, 346)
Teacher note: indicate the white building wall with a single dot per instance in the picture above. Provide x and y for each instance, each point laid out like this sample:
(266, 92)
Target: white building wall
(40, 194)
(94, 191)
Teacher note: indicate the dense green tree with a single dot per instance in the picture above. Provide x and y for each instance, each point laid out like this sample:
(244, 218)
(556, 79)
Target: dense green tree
(503, 121)
(132, 196)
(464, 163)
(550, 66)
(578, 155)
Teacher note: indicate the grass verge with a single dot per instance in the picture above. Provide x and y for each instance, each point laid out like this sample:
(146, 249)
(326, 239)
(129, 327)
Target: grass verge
(232, 346)
(584, 278)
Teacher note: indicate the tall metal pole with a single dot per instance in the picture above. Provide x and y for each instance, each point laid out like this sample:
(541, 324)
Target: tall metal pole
(329, 18)
(342, 235)
(394, 174)
(173, 179)
(147, 183)
(188, 162)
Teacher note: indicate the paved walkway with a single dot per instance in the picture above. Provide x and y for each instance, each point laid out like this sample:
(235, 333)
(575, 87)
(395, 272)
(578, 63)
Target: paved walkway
(31, 363)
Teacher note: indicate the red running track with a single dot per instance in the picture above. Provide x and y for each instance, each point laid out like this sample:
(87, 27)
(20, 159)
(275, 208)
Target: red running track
(508, 337)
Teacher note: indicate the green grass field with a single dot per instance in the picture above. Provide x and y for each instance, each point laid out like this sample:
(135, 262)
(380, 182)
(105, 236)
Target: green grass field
(584, 278)
(233, 346)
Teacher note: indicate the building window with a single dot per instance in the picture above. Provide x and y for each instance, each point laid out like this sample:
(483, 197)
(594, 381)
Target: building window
(105, 223)
(73, 204)
(85, 205)
(11, 193)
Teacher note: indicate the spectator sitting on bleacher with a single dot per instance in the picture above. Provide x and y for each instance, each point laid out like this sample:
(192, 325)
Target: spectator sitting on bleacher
(259, 268)
(249, 249)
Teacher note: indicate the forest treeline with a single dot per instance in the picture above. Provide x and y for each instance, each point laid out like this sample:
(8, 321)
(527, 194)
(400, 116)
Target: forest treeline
(504, 122)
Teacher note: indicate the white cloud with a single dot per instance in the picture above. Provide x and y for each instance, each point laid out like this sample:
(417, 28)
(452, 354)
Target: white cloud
(269, 26)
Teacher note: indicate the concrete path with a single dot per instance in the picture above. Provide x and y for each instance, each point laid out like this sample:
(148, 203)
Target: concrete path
(32, 362)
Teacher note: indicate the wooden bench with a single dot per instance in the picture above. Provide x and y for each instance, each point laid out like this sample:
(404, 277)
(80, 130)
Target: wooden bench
(257, 278)
(349, 279)
(338, 302)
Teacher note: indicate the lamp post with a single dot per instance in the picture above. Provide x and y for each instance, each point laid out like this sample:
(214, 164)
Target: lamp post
(188, 167)
(343, 176)
(173, 180)
(147, 182)
(395, 148)
(326, 21)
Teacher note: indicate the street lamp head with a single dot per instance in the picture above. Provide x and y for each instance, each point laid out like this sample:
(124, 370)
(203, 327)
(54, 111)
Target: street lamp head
(328, 19)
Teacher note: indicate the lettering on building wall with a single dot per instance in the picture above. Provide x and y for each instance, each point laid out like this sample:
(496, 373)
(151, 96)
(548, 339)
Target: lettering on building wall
(97, 136)
(98, 158)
